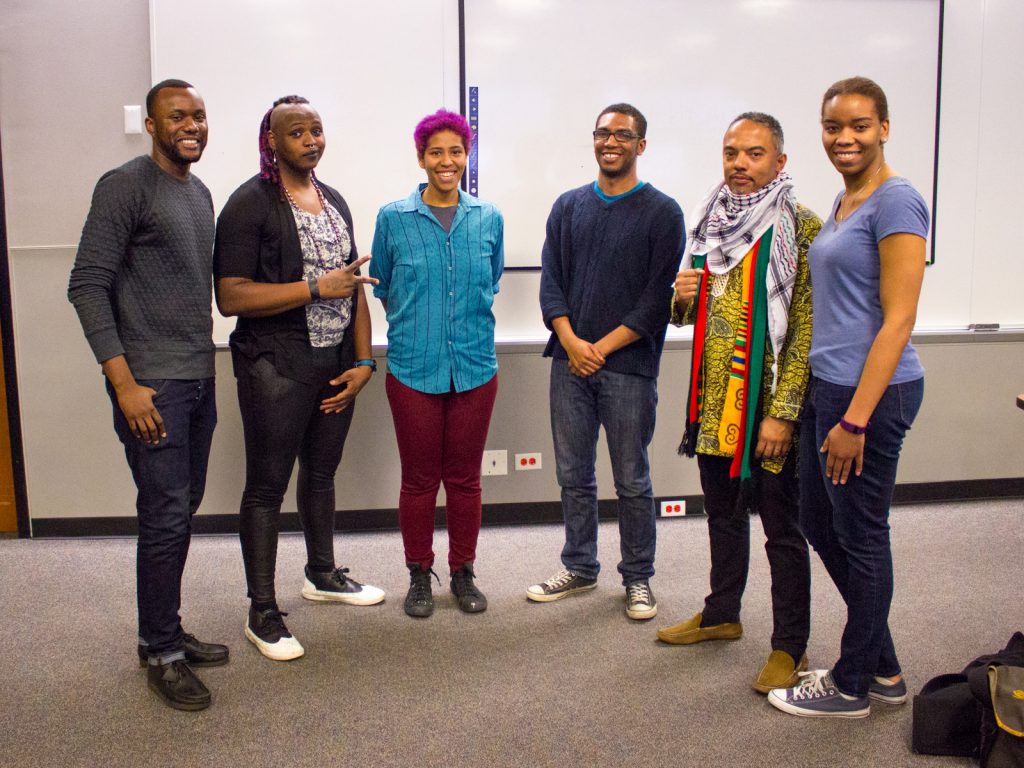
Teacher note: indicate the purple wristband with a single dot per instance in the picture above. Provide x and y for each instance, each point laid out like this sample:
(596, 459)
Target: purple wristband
(853, 429)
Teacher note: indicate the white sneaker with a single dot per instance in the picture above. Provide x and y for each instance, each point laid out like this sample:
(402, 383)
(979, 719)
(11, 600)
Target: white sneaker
(337, 587)
(266, 630)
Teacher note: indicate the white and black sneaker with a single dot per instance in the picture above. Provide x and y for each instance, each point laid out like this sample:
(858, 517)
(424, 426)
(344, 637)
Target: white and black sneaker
(640, 601)
(266, 630)
(562, 584)
(336, 586)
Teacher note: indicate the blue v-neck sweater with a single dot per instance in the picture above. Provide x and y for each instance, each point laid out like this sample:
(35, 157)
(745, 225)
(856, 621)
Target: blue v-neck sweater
(611, 263)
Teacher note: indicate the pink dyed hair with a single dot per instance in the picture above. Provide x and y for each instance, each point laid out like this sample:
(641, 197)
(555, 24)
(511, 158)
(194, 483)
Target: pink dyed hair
(442, 120)
(268, 164)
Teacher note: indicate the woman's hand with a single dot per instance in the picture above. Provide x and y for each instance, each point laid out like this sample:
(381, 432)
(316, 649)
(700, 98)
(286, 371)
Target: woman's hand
(845, 451)
(341, 283)
(353, 380)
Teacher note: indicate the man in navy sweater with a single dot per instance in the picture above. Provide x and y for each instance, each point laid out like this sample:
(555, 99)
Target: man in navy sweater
(610, 256)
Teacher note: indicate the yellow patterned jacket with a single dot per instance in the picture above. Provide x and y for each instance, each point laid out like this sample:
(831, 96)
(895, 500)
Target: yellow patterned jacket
(724, 313)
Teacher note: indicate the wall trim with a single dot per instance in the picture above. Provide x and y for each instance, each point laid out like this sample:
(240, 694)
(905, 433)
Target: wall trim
(520, 513)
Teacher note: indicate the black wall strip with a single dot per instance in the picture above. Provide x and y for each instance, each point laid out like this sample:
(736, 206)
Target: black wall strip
(505, 514)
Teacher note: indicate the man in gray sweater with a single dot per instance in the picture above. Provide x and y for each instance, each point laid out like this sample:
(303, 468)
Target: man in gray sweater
(141, 285)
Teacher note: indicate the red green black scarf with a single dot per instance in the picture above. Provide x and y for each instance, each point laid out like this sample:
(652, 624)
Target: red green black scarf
(757, 323)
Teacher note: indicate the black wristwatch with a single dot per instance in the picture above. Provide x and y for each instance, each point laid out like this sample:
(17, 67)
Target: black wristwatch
(314, 289)
(371, 364)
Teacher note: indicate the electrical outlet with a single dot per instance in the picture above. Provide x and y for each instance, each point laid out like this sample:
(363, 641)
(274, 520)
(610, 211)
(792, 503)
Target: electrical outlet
(673, 508)
(527, 461)
(494, 463)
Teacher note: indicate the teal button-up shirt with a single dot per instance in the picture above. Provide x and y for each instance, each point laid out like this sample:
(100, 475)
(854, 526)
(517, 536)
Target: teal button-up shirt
(439, 288)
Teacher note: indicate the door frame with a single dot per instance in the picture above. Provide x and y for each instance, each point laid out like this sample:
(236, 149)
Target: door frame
(11, 372)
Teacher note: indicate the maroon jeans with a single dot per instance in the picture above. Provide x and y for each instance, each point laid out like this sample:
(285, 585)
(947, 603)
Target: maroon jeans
(441, 439)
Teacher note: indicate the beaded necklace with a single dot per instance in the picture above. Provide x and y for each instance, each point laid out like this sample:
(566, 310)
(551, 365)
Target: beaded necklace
(326, 211)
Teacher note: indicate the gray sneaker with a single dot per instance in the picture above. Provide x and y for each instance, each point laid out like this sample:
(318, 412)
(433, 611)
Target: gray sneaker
(562, 584)
(640, 601)
(880, 689)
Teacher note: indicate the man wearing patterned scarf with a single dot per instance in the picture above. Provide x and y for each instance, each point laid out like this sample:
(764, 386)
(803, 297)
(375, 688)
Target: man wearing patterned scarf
(745, 286)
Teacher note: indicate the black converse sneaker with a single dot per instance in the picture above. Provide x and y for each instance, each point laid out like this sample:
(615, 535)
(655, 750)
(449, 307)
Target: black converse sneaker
(562, 584)
(336, 586)
(471, 599)
(419, 601)
(640, 602)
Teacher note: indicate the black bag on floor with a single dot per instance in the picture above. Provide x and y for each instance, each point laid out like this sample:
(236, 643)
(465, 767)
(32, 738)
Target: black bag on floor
(977, 713)
(999, 689)
(947, 720)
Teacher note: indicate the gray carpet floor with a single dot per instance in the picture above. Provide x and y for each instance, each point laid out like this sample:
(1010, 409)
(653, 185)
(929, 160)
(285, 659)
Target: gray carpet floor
(571, 683)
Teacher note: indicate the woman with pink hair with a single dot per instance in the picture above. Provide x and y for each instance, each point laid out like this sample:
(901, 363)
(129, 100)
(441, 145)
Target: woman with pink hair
(438, 255)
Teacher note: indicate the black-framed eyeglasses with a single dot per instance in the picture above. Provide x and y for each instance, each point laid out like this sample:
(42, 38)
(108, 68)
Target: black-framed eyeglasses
(603, 134)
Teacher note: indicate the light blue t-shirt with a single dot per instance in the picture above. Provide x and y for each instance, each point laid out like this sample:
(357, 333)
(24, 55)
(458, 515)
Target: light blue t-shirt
(845, 269)
(439, 286)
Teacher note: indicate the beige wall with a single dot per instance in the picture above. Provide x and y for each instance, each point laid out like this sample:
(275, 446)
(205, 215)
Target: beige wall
(66, 69)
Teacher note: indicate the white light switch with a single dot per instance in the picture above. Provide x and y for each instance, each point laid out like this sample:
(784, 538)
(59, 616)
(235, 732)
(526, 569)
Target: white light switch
(133, 119)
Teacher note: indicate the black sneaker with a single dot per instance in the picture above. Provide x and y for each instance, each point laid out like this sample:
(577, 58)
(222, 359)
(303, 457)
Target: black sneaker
(197, 653)
(266, 630)
(336, 586)
(178, 686)
(640, 602)
(471, 599)
(562, 584)
(419, 602)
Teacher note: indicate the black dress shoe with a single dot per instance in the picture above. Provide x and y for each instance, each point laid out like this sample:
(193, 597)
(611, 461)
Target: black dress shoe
(471, 599)
(178, 686)
(197, 653)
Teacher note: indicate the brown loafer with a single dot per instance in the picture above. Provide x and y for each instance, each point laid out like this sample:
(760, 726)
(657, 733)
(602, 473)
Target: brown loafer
(779, 672)
(690, 631)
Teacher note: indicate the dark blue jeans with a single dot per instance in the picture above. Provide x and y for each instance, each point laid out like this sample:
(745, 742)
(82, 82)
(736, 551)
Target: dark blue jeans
(171, 479)
(625, 406)
(848, 525)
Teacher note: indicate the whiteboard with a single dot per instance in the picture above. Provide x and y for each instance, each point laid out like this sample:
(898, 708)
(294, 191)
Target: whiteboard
(371, 70)
(545, 68)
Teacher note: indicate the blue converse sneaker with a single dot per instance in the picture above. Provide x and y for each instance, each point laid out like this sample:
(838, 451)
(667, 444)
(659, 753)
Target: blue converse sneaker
(882, 690)
(818, 696)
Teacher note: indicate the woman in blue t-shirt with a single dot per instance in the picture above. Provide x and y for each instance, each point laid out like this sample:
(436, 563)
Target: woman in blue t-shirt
(867, 265)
